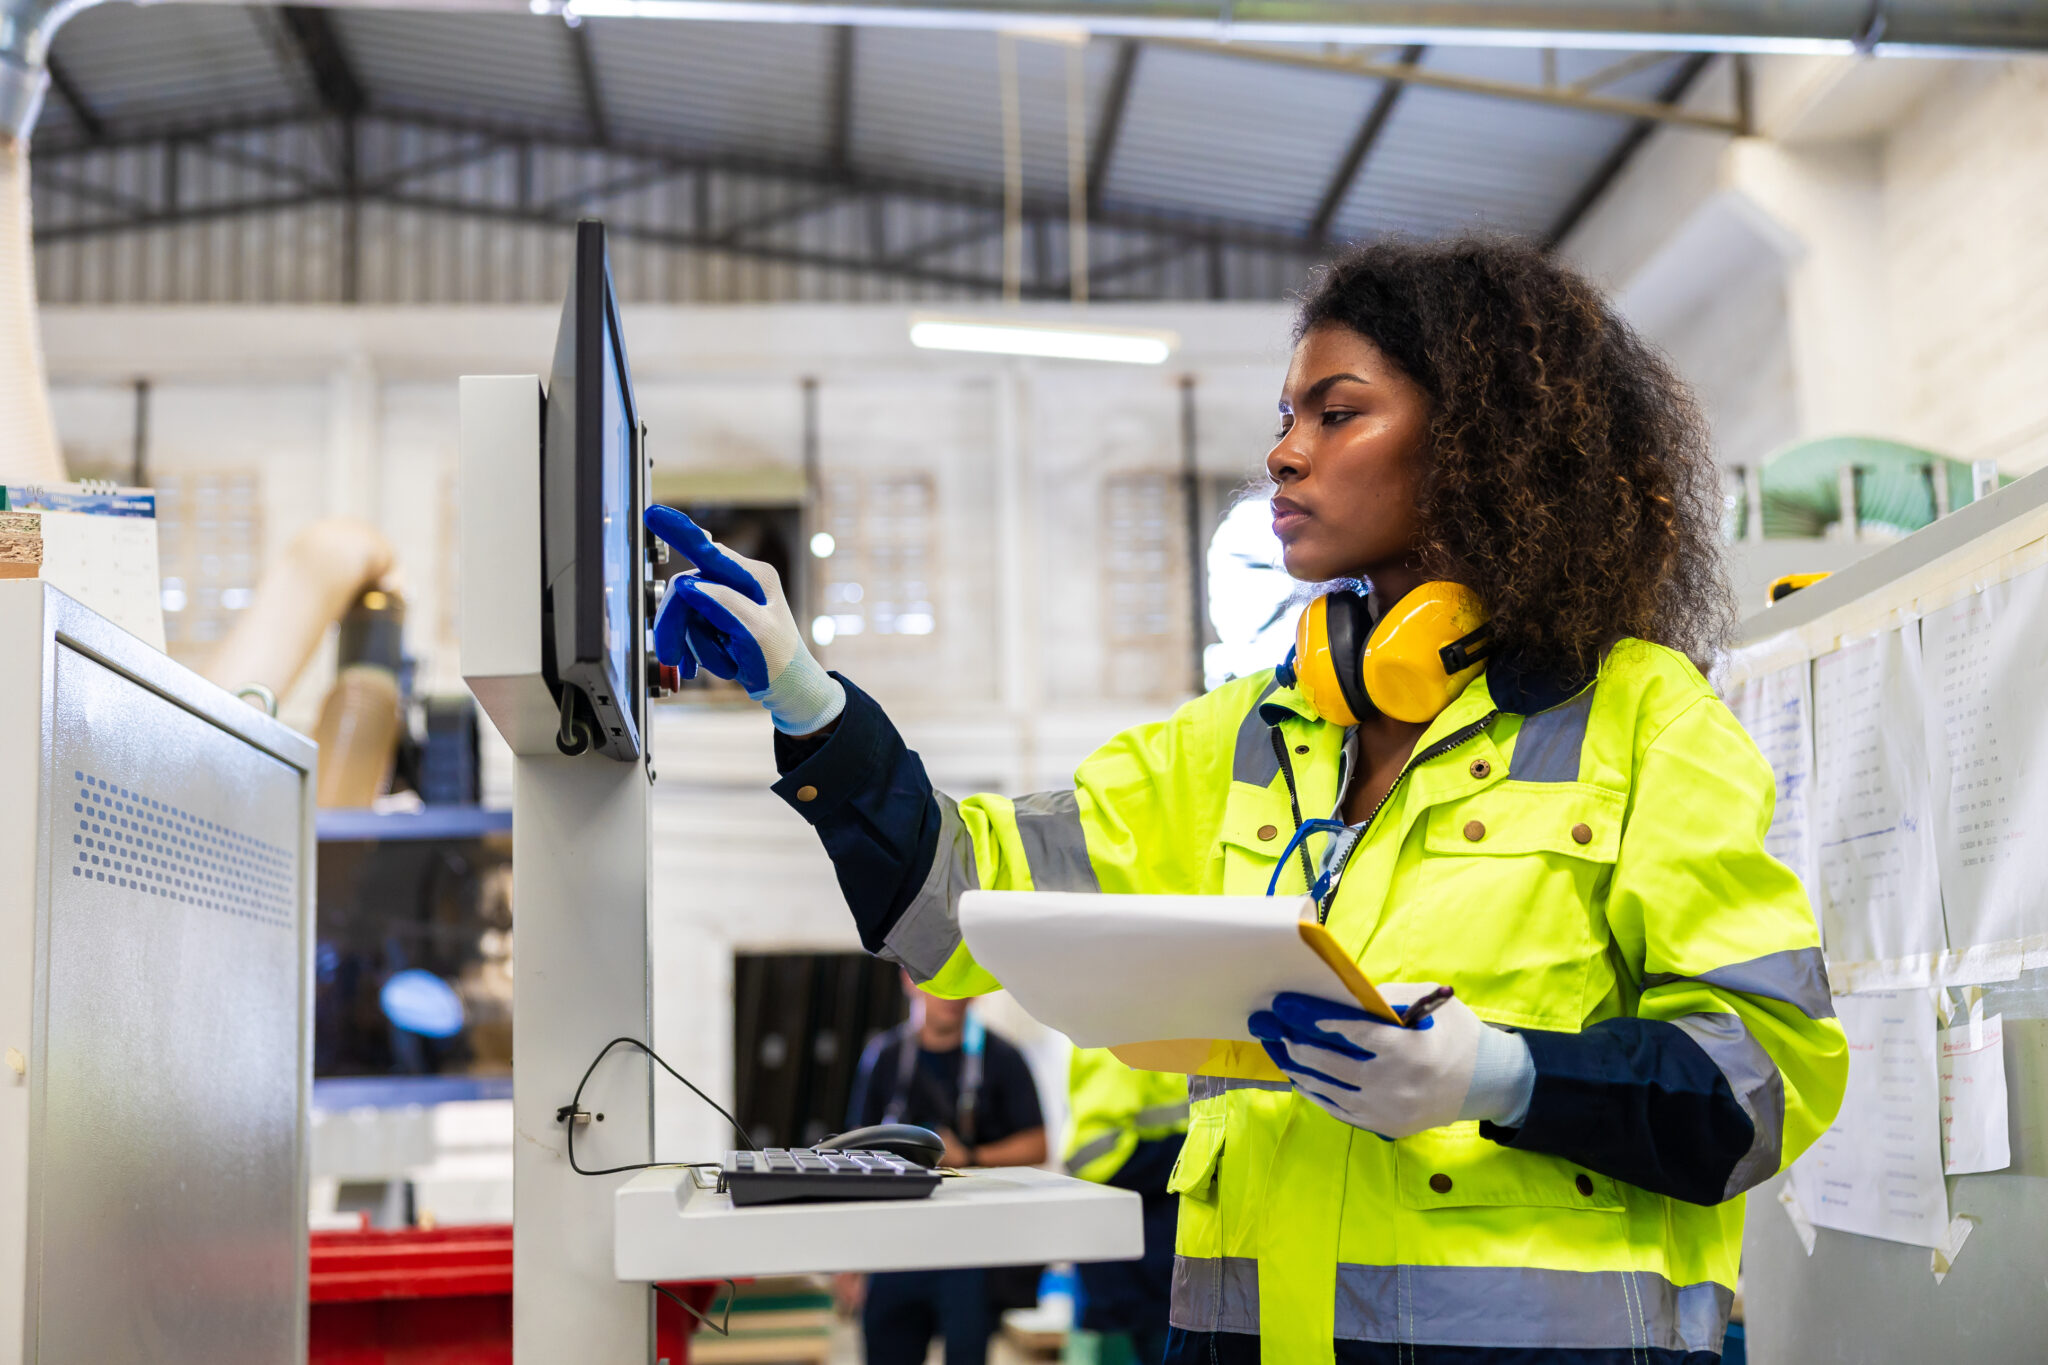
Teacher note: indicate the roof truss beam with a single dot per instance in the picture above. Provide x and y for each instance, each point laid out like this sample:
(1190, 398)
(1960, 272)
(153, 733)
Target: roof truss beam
(839, 101)
(1114, 102)
(98, 210)
(82, 113)
(1560, 96)
(1610, 169)
(1368, 136)
(312, 33)
(585, 62)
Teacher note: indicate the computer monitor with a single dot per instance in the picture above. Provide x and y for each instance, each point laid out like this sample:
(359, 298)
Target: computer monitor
(593, 491)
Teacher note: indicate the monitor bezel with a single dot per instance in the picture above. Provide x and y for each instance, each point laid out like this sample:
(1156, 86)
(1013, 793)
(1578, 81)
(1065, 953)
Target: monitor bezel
(574, 491)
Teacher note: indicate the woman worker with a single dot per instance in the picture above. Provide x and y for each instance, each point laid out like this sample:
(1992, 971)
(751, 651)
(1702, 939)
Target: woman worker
(1569, 834)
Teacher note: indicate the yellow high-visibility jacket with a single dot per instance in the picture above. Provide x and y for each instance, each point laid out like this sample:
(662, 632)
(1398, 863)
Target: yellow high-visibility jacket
(1590, 873)
(1111, 1109)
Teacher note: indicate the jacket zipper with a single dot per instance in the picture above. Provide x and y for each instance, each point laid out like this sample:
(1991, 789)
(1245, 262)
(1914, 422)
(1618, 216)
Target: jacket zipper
(1308, 875)
(1441, 747)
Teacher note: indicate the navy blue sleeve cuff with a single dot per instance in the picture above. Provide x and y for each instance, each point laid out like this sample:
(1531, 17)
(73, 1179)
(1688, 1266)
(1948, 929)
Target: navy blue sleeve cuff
(820, 772)
(874, 809)
(1635, 1099)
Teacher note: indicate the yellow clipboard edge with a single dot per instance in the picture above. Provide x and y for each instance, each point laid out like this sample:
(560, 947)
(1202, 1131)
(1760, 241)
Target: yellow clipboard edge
(1201, 1057)
(1326, 947)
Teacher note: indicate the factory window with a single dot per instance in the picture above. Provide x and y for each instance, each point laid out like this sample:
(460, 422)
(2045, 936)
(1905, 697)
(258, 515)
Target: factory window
(872, 557)
(1146, 615)
(210, 548)
(800, 1024)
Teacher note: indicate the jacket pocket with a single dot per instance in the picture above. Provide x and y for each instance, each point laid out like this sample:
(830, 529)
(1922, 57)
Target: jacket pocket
(1257, 823)
(1194, 1171)
(1508, 902)
(1454, 1167)
(1519, 819)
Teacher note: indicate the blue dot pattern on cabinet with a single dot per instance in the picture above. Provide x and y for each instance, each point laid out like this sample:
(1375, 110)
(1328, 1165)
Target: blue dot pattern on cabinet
(136, 842)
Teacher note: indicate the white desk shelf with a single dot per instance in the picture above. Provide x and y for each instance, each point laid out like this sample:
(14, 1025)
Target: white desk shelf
(668, 1229)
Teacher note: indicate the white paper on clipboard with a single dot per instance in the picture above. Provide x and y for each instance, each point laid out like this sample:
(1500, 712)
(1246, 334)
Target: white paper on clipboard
(1106, 970)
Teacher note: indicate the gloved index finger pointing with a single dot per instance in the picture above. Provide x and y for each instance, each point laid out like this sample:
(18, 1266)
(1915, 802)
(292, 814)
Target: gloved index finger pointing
(698, 547)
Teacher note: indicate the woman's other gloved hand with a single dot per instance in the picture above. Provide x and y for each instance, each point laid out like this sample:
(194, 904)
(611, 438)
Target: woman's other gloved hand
(1394, 1081)
(727, 615)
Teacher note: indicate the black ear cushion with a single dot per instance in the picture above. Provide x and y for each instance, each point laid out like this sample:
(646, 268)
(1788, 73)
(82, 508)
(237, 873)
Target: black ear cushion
(1351, 622)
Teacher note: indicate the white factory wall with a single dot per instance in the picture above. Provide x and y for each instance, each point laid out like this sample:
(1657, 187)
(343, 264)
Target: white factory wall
(1870, 263)
(352, 411)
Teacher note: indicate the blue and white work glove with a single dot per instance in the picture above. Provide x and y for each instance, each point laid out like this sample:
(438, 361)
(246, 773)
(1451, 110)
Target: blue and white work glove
(1397, 1082)
(728, 616)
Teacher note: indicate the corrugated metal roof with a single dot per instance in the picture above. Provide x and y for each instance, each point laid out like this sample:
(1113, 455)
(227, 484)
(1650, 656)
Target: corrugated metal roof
(157, 63)
(1448, 160)
(517, 66)
(927, 102)
(1224, 137)
(1203, 134)
(740, 88)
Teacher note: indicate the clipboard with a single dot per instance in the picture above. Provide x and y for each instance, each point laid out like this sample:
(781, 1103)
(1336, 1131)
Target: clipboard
(1167, 981)
(1229, 1059)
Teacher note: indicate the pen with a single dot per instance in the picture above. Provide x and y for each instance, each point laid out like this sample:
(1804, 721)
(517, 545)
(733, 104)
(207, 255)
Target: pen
(1413, 1016)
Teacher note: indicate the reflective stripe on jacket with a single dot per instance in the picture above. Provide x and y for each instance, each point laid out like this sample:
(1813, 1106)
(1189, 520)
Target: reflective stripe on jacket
(1112, 1109)
(1592, 875)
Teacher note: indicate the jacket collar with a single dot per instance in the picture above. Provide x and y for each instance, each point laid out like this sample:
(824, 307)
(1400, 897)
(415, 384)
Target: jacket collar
(1504, 685)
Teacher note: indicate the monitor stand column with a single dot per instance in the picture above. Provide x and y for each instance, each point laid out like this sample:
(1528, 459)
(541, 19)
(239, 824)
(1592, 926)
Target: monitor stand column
(580, 873)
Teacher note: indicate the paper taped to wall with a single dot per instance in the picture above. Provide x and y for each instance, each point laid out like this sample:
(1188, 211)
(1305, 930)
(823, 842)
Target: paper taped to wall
(1876, 884)
(1775, 709)
(1985, 656)
(1974, 1130)
(1877, 1169)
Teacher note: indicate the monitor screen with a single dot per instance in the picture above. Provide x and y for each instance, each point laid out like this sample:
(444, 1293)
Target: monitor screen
(621, 519)
(592, 473)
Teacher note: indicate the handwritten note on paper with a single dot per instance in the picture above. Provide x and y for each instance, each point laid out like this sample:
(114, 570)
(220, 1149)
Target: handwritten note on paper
(1986, 657)
(1974, 1133)
(1877, 1170)
(1875, 870)
(1773, 708)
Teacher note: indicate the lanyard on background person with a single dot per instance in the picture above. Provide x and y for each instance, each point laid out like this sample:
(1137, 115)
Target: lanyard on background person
(973, 1044)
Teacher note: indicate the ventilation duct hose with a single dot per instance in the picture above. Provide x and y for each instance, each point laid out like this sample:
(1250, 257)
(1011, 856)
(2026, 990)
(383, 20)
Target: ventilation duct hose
(29, 452)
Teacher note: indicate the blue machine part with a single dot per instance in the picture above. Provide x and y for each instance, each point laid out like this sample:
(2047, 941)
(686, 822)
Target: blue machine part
(420, 1002)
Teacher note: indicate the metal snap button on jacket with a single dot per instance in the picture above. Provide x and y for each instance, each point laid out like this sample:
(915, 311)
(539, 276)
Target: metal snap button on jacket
(806, 793)
(1474, 830)
(1266, 833)
(1440, 1182)
(1582, 833)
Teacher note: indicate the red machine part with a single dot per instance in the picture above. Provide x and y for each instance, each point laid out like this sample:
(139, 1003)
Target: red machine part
(439, 1296)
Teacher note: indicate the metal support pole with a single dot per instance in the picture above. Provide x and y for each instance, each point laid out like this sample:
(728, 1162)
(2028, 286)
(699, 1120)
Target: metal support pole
(810, 517)
(1937, 484)
(1753, 500)
(1845, 491)
(138, 464)
(1191, 493)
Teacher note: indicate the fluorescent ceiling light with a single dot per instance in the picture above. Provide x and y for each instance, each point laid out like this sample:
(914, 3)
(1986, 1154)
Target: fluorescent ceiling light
(1056, 341)
(1325, 24)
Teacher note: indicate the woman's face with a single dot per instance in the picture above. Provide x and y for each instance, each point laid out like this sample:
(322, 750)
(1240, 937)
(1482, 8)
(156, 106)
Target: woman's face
(1348, 462)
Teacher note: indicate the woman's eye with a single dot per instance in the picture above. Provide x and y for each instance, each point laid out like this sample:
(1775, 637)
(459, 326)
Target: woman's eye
(1286, 425)
(1332, 417)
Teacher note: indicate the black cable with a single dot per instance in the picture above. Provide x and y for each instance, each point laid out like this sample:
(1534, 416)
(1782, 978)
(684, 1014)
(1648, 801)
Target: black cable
(568, 1112)
(724, 1324)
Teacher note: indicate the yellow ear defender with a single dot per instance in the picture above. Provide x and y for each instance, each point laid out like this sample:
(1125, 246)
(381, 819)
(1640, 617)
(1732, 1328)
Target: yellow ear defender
(1409, 664)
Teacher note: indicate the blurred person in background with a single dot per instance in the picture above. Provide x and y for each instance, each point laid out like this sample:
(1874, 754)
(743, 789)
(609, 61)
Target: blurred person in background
(1126, 1130)
(940, 1069)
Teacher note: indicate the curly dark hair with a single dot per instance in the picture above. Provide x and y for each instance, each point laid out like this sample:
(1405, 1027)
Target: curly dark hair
(1570, 482)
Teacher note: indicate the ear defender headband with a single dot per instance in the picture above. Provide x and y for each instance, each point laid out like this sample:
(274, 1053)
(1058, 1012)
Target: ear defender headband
(1410, 664)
